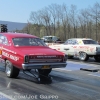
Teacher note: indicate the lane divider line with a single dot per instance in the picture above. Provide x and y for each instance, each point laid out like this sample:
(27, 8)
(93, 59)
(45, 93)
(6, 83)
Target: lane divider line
(94, 75)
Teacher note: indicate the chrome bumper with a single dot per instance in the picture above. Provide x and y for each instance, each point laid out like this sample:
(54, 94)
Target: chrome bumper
(39, 66)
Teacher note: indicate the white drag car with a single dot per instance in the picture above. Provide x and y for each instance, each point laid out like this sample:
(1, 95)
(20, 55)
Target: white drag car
(79, 47)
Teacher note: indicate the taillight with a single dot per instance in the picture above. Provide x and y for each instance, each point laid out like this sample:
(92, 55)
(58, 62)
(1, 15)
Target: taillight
(0, 52)
(26, 59)
(65, 58)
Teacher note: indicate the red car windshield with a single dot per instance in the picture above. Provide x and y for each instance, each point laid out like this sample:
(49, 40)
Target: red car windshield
(24, 41)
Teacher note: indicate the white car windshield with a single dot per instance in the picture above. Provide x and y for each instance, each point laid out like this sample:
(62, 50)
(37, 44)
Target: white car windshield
(24, 41)
(89, 42)
(50, 38)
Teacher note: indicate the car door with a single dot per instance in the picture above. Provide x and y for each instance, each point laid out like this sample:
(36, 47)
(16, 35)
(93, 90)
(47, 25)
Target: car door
(75, 47)
(68, 47)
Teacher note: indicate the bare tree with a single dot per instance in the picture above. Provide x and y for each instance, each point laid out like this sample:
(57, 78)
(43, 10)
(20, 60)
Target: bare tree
(73, 19)
(95, 15)
(52, 10)
(66, 23)
(84, 21)
(46, 17)
(37, 21)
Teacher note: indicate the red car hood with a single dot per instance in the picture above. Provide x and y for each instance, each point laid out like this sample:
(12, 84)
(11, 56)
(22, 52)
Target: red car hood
(38, 51)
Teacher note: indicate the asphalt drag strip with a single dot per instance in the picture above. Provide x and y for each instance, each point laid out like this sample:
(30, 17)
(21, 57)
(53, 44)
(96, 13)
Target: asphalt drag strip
(5, 97)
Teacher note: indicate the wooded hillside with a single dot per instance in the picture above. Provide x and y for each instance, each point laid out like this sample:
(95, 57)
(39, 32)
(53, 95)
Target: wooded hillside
(65, 22)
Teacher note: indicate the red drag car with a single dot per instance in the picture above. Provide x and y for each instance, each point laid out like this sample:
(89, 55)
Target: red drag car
(22, 51)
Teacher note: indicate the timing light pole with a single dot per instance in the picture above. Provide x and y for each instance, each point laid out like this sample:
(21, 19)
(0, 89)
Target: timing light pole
(3, 28)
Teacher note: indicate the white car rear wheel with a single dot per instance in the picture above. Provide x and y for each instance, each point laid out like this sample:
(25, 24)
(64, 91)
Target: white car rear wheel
(83, 56)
